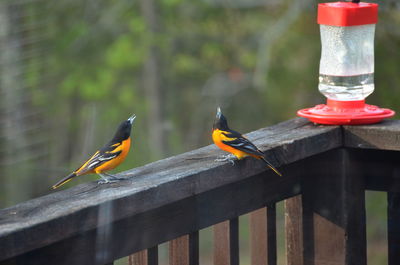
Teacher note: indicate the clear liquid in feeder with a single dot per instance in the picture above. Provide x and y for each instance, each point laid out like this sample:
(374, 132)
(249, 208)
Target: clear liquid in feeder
(347, 62)
(346, 73)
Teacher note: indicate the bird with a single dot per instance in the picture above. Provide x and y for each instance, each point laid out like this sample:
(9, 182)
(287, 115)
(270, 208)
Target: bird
(235, 143)
(108, 157)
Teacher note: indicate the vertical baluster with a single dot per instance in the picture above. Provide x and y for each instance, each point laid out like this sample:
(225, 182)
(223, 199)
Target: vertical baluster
(271, 234)
(184, 250)
(138, 258)
(226, 243)
(194, 248)
(144, 257)
(152, 256)
(294, 231)
(263, 236)
(258, 237)
(393, 227)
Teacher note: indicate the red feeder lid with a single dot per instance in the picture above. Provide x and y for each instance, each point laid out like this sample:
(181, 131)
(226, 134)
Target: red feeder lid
(344, 14)
(345, 113)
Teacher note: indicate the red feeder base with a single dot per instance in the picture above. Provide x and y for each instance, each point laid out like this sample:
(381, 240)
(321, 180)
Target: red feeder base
(345, 112)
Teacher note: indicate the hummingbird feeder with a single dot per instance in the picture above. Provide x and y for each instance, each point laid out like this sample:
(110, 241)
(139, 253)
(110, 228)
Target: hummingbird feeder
(346, 71)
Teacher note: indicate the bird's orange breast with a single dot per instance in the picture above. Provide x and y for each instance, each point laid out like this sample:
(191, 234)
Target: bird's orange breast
(218, 137)
(124, 148)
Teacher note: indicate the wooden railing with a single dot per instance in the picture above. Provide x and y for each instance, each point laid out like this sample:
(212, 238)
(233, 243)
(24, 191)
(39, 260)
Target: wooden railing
(326, 170)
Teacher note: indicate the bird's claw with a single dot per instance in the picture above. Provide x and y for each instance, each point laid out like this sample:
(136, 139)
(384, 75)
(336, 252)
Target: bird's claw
(107, 180)
(225, 158)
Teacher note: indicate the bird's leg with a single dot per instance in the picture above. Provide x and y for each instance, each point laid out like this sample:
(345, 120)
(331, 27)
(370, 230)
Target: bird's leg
(113, 177)
(103, 180)
(107, 178)
(229, 157)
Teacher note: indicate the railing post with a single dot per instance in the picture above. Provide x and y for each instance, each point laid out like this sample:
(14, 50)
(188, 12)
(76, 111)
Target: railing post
(334, 229)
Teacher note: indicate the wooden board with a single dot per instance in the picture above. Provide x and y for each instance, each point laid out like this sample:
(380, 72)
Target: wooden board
(383, 136)
(74, 215)
(380, 168)
(94, 224)
(174, 220)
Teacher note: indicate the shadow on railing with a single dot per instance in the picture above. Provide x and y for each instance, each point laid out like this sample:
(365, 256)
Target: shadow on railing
(326, 170)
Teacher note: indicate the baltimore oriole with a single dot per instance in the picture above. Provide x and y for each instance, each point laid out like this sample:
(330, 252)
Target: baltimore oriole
(108, 157)
(235, 143)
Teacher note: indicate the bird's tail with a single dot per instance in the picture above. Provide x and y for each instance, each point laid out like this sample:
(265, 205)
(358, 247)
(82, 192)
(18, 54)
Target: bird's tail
(271, 166)
(63, 181)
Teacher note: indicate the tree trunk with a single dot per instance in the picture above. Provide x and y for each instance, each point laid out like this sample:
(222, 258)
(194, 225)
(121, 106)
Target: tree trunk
(152, 77)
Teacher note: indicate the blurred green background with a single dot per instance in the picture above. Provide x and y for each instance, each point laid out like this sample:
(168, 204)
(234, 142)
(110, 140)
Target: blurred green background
(72, 70)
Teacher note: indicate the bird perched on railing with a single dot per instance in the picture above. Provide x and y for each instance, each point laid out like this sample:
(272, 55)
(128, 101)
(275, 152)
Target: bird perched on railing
(107, 158)
(235, 143)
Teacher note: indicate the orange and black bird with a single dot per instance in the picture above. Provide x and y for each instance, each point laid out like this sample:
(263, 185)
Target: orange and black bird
(235, 143)
(107, 158)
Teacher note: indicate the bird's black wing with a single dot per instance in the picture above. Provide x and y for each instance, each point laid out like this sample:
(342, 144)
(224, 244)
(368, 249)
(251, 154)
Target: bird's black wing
(107, 153)
(242, 143)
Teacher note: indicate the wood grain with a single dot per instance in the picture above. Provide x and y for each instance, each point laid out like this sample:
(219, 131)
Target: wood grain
(179, 251)
(258, 237)
(226, 243)
(383, 136)
(138, 258)
(144, 257)
(294, 230)
(263, 249)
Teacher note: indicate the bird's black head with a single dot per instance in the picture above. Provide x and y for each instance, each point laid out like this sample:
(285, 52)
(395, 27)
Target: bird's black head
(124, 129)
(220, 121)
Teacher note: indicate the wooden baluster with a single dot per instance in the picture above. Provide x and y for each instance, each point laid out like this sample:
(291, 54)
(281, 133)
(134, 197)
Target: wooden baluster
(144, 257)
(194, 248)
(139, 258)
(263, 236)
(271, 234)
(258, 237)
(226, 243)
(184, 250)
(294, 231)
(393, 224)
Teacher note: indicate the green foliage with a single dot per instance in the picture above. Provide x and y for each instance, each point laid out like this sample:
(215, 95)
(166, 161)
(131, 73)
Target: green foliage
(91, 74)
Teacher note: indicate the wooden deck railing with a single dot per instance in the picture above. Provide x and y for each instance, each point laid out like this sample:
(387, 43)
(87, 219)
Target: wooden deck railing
(326, 172)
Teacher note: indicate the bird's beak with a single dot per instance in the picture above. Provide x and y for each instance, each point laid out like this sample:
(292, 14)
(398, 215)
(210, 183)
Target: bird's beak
(132, 118)
(219, 113)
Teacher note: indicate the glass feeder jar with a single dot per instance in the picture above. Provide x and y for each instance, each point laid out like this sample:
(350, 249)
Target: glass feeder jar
(346, 69)
(346, 72)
